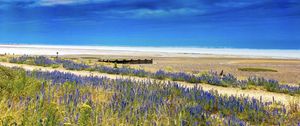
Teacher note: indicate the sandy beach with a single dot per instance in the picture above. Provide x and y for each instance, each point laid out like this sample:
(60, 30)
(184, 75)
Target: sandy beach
(149, 51)
(192, 60)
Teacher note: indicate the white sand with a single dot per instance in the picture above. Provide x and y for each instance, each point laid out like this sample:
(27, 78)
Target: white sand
(147, 51)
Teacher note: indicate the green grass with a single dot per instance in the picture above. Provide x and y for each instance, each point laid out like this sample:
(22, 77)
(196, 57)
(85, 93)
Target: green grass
(3, 58)
(55, 66)
(88, 57)
(15, 84)
(55, 104)
(257, 69)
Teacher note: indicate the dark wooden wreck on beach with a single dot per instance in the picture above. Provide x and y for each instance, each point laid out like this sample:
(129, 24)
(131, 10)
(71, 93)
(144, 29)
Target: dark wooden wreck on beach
(131, 61)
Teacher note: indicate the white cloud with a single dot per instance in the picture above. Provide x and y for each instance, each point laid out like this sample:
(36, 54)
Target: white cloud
(55, 2)
(233, 4)
(65, 2)
(144, 13)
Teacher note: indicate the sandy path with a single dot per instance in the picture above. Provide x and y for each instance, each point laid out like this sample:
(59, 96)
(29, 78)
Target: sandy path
(266, 96)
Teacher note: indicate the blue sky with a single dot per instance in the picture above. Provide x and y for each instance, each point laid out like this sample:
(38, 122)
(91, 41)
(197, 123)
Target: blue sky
(204, 23)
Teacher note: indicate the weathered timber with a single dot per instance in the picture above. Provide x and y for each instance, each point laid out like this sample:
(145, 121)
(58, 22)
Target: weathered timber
(131, 61)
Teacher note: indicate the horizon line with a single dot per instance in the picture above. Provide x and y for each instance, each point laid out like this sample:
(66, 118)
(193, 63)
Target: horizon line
(145, 46)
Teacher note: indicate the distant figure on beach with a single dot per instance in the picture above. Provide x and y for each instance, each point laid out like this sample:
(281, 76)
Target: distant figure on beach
(56, 55)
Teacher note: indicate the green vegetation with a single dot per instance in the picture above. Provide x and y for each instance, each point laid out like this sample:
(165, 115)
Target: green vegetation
(56, 98)
(89, 57)
(15, 83)
(115, 65)
(29, 101)
(257, 69)
(213, 78)
(3, 59)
